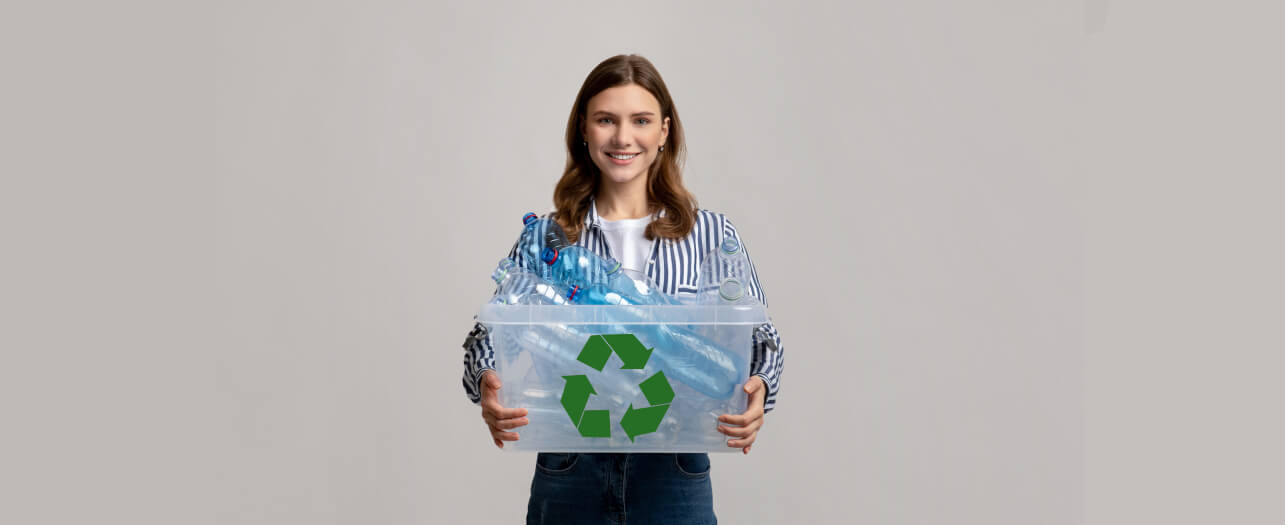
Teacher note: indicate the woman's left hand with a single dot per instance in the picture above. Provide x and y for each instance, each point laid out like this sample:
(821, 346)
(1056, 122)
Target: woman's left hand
(749, 422)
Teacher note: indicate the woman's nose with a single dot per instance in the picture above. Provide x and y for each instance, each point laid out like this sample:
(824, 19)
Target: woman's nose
(621, 137)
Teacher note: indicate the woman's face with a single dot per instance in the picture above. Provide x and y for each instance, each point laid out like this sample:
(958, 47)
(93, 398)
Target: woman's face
(624, 121)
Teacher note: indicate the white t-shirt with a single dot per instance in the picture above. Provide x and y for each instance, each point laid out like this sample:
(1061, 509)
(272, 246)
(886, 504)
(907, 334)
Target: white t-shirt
(628, 245)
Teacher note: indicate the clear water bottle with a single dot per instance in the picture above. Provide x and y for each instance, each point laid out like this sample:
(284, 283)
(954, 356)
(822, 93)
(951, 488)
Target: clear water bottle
(516, 285)
(538, 234)
(725, 276)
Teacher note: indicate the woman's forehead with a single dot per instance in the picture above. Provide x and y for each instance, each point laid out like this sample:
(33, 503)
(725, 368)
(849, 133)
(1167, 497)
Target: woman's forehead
(624, 100)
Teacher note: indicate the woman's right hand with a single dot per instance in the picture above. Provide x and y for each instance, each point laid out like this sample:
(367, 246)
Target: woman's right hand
(499, 419)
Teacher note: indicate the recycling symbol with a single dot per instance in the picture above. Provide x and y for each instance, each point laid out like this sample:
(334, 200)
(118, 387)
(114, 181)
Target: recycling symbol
(636, 421)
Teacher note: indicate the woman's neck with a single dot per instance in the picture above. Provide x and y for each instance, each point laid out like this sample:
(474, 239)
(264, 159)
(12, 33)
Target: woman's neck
(618, 201)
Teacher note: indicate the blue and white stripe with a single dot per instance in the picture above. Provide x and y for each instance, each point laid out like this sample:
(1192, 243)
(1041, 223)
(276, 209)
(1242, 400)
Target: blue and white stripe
(674, 265)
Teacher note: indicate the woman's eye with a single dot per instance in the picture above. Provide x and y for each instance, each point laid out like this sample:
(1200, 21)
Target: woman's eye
(643, 121)
(603, 119)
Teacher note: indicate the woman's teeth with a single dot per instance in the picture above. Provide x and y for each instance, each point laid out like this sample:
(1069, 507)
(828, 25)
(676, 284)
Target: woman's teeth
(622, 157)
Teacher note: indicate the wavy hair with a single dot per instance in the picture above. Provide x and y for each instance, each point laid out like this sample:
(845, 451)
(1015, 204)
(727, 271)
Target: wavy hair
(581, 178)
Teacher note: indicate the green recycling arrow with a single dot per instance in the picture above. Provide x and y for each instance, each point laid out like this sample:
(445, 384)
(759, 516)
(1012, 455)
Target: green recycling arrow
(575, 397)
(598, 349)
(636, 421)
(639, 421)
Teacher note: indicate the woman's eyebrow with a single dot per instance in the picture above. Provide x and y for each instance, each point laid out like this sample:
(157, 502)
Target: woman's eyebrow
(608, 113)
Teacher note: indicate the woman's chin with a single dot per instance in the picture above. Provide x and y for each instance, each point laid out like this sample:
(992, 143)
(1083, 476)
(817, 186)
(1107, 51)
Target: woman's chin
(622, 178)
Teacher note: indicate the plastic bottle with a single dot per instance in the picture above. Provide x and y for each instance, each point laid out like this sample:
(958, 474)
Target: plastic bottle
(725, 275)
(538, 234)
(519, 286)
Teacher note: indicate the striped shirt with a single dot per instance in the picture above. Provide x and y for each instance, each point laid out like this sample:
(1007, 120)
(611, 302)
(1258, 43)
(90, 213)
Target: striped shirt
(674, 265)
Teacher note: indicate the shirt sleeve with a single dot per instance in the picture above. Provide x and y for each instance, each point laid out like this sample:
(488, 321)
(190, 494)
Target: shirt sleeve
(767, 359)
(478, 358)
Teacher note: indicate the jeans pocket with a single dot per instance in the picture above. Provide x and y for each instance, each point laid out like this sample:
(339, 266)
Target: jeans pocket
(692, 465)
(554, 463)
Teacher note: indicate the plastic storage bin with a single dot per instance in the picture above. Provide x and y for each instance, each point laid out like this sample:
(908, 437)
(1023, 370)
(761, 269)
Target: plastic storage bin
(622, 378)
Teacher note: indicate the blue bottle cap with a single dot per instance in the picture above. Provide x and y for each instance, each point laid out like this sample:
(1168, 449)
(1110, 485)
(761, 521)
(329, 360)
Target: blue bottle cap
(526, 219)
(573, 293)
(730, 246)
(548, 255)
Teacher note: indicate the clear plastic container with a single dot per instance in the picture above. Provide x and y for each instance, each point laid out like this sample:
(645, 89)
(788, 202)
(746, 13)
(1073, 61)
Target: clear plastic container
(682, 367)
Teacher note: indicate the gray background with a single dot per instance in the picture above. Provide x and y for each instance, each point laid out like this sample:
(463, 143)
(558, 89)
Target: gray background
(1022, 255)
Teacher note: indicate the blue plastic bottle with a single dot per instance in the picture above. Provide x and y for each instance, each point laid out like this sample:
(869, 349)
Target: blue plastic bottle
(538, 234)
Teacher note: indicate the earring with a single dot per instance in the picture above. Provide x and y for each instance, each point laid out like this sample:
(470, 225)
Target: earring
(585, 142)
(662, 147)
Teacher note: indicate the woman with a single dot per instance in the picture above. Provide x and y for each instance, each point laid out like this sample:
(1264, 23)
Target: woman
(622, 196)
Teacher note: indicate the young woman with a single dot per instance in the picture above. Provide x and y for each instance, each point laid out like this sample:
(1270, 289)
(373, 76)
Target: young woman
(622, 196)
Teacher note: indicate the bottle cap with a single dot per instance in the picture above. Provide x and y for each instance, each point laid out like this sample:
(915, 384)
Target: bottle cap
(730, 246)
(530, 216)
(573, 292)
(548, 255)
(731, 289)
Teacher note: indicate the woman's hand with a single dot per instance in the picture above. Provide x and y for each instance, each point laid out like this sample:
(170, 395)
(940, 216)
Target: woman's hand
(499, 419)
(748, 422)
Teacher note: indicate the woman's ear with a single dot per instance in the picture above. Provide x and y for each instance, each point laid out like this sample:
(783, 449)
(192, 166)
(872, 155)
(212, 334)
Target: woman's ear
(664, 130)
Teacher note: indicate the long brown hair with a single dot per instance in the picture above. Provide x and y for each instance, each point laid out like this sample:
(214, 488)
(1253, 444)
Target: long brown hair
(581, 178)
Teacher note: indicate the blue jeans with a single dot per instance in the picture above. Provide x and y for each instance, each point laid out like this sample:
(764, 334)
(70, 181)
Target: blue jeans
(672, 489)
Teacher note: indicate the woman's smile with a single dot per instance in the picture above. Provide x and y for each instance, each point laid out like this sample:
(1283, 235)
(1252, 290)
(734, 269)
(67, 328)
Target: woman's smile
(622, 159)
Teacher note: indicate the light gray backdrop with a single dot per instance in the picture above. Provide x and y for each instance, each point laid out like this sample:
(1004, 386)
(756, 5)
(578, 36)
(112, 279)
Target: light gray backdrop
(242, 243)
